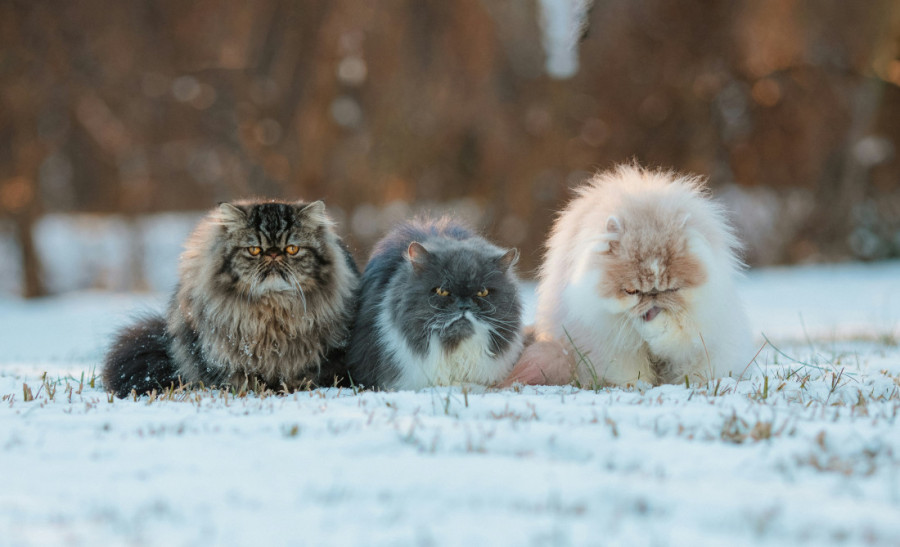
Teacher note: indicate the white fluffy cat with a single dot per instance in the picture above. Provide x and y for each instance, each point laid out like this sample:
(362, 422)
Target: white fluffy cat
(638, 284)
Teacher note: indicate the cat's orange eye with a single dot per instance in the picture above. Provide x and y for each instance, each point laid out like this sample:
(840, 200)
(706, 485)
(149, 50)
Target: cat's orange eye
(292, 249)
(629, 291)
(482, 293)
(441, 292)
(254, 251)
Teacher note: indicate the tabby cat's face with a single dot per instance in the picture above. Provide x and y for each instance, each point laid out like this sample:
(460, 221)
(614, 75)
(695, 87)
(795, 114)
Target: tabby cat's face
(274, 247)
(455, 291)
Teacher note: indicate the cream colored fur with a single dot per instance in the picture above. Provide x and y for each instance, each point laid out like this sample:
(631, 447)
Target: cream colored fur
(670, 232)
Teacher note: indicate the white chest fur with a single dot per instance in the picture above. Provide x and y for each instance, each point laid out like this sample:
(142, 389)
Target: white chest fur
(471, 362)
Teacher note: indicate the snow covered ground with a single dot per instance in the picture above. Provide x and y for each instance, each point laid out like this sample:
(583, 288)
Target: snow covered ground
(804, 451)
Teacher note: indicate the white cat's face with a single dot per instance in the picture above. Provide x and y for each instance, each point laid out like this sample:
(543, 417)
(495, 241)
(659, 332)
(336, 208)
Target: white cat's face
(648, 272)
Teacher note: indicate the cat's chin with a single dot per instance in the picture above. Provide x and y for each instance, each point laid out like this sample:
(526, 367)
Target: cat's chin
(274, 284)
(663, 329)
(652, 322)
(458, 329)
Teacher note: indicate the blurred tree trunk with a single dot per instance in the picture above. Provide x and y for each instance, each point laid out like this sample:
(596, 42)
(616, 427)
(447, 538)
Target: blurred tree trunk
(32, 282)
(22, 97)
(845, 179)
(20, 198)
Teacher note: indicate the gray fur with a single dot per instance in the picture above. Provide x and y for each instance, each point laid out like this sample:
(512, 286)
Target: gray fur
(276, 318)
(404, 326)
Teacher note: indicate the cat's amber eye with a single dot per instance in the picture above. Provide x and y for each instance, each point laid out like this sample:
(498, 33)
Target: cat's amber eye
(292, 249)
(629, 291)
(254, 251)
(482, 293)
(441, 291)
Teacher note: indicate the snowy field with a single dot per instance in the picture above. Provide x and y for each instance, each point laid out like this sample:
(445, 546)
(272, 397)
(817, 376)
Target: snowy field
(804, 451)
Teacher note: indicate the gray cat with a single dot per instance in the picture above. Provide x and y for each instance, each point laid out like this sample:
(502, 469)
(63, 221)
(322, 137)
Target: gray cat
(439, 305)
(267, 294)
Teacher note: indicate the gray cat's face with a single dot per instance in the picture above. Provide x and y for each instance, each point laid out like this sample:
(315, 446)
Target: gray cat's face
(274, 247)
(454, 290)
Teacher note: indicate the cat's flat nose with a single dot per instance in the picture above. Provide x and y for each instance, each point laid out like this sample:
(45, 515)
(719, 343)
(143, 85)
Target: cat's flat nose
(273, 253)
(465, 304)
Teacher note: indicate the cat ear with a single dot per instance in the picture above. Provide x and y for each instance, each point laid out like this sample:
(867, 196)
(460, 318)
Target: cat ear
(315, 212)
(613, 226)
(610, 240)
(232, 214)
(417, 255)
(508, 259)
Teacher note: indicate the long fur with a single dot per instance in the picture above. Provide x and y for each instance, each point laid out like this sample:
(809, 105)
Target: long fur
(139, 358)
(408, 337)
(638, 284)
(282, 320)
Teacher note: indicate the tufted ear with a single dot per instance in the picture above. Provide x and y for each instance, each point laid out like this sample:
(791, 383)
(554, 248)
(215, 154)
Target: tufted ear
(232, 214)
(613, 225)
(417, 255)
(508, 259)
(314, 212)
(609, 241)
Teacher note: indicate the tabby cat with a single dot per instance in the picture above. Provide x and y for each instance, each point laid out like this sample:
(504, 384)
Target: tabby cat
(267, 293)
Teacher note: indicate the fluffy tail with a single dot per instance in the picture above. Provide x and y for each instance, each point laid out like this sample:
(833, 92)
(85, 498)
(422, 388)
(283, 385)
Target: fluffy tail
(139, 359)
(543, 363)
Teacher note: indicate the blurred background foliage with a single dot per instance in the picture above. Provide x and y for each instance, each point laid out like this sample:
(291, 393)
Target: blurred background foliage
(493, 109)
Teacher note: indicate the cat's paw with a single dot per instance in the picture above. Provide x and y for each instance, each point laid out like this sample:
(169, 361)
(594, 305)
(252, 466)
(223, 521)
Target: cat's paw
(542, 363)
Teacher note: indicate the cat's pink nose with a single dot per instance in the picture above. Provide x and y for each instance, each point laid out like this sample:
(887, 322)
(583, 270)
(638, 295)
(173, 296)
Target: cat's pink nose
(273, 253)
